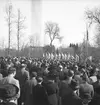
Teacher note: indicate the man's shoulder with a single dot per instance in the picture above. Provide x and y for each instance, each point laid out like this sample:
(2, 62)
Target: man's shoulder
(31, 81)
(86, 85)
(25, 71)
(15, 80)
(96, 84)
(8, 80)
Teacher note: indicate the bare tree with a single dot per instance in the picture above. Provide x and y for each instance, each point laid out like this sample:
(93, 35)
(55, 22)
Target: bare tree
(20, 26)
(9, 19)
(52, 29)
(93, 17)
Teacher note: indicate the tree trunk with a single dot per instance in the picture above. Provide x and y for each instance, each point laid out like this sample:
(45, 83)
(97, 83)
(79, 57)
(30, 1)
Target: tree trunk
(51, 43)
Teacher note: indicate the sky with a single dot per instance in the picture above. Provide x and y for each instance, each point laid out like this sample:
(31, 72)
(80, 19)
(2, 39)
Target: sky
(69, 14)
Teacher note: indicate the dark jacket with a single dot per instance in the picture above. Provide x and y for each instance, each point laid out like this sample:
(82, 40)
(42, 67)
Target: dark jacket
(71, 99)
(96, 98)
(64, 88)
(39, 95)
(28, 91)
(22, 75)
(96, 86)
(52, 91)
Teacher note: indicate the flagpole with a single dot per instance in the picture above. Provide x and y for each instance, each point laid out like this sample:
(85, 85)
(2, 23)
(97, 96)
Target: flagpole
(87, 39)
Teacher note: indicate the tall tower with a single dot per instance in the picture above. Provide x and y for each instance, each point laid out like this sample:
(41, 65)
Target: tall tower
(36, 25)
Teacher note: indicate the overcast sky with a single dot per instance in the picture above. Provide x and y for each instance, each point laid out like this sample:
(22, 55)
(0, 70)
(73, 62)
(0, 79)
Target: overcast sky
(69, 14)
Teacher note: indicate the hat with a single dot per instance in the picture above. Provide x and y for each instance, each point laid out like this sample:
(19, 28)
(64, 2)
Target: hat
(8, 91)
(23, 65)
(70, 73)
(74, 84)
(52, 74)
(39, 79)
(34, 74)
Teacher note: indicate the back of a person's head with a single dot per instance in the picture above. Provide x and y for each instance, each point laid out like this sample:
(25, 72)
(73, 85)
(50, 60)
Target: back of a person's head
(70, 73)
(74, 84)
(11, 70)
(66, 77)
(84, 78)
(34, 74)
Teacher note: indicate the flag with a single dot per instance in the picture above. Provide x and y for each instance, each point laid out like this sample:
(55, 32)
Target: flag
(59, 56)
(77, 58)
(65, 56)
(52, 56)
(46, 55)
(43, 55)
(49, 56)
(56, 56)
(68, 56)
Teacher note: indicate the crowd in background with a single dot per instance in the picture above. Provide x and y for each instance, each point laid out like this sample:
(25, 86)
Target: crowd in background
(50, 81)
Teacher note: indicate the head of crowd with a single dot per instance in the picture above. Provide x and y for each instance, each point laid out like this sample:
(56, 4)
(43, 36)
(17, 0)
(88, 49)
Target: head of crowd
(54, 70)
(53, 66)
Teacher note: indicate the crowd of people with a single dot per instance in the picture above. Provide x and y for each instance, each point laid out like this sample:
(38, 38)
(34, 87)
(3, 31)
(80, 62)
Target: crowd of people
(48, 82)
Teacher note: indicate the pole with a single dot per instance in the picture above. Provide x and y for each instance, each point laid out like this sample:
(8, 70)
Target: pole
(87, 38)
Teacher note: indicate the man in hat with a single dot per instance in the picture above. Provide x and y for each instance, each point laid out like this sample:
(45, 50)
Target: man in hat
(11, 80)
(52, 89)
(39, 94)
(72, 98)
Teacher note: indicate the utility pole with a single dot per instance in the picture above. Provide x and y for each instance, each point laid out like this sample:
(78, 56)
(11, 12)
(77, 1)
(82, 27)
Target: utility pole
(88, 25)
(87, 40)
